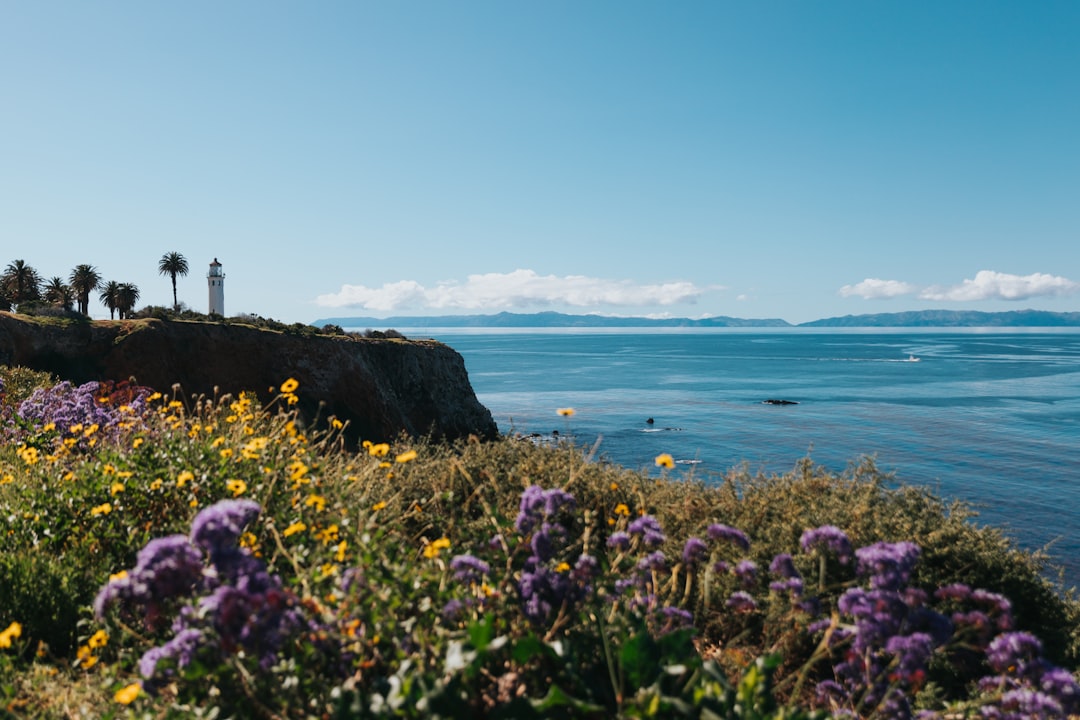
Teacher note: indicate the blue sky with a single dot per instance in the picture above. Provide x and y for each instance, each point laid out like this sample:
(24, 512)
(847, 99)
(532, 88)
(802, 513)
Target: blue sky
(756, 159)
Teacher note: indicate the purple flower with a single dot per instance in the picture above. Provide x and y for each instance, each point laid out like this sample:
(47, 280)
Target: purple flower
(724, 532)
(956, 591)
(619, 540)
(452, 610)
(784, 566)
(1014, 652)
(220, 525)
(741, 601)
(181, 649)
(827, 537)
(648, 527)
(165, 569)
(792, 585)
(538, 504)
(655, 562)
(889, 565)
(746, 571)
(694, 551)
(469, 569)
(913, 651)
(675, 618)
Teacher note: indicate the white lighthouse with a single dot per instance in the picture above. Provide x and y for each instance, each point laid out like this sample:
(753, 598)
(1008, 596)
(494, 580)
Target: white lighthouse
(215, 279)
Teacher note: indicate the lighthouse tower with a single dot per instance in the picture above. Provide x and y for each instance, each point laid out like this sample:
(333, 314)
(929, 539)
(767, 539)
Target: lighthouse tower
(215, 279)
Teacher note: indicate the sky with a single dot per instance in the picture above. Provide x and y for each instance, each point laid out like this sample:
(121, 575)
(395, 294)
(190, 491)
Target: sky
(767, 159)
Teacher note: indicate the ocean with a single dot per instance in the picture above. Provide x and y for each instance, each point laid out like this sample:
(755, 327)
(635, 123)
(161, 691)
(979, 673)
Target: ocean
(990, 417)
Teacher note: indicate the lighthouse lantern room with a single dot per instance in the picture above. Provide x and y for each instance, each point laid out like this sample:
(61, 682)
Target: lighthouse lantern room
(215, 279)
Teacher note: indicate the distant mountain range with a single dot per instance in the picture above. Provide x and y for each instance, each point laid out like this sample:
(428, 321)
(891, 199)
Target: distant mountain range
(921, 318)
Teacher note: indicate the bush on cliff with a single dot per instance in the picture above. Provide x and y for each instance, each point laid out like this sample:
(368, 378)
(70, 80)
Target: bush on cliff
(245, 566)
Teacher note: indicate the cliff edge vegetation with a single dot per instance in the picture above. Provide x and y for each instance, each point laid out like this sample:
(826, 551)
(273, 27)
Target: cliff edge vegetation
(170, 557)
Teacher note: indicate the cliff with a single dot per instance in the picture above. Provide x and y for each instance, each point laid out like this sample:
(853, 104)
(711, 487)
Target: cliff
(382, 386)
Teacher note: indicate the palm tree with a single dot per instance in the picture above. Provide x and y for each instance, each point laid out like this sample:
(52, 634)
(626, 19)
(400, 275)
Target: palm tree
(127, 297)
(59, 294)
(21, 282)
(173, 264)
(110, 297)
(84, 280)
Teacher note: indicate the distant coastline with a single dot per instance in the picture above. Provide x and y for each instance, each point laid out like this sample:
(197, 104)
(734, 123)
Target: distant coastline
(914, 319)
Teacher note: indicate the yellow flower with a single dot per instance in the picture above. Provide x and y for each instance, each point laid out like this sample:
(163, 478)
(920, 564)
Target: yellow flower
(104, 509)
(297, 470)
(137, 442)
(336, 424)
(124, 474)
(289, 385)
(126, 695)
(614, 486)
(29, 455)
(294, 528)
(86, 657)
(75, 429)
(118, 576)
(175, 404)
(193, 502)
(340, 554)
(328, 534)
(14, 630)
(248, 540)
(378, 506)
(236, 487)
(98, 640)
(153, 396)
(406, 456)
(116, 488)
(183, 478)
(562, 567)
(91, 429)
(109, 469)
(432, 549)
(316, 501)
(565, 412)
(664, 460)
(225, 453)
(9, 478)
(156, 485)
(379, 450)
(48, 427)
(621, 509)
(291, 399)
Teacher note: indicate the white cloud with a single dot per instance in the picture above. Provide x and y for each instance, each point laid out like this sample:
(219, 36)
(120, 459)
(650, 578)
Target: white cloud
(505, 291)
(875, 288)
(990, 285)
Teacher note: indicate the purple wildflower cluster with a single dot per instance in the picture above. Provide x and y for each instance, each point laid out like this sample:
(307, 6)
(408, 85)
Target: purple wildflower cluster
(887, 650)
(545, 589)
(67, 405)
(232, 602)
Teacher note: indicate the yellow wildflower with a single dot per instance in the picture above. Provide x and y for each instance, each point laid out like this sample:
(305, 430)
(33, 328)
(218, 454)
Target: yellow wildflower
(86, 657)
(614, 486)
(562, 567)
(118, 576)
(91, 429)
(75, 429)
(622, 509)
(98, 640)
(137, 442)
(116, 488)
(225, 453)
(14, 630)
(565, 412)
(379, 450)
(156, 485)
(289, 385)
(8, 478)
(126, 695)
(174, 404)
(184, 478)
(432, 549)
(29, 455)
(664, 460)
(378, 506)
(218, 441)
(336, 424)
(153, 396)
(294, 528)
(124, 474)
(316, 501)
(48, 427)
(236, 487)
(406, 456)
(103, 509)
(328, 534)
(340, 554)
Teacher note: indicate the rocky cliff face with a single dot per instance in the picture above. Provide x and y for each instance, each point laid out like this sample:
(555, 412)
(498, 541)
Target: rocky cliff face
(383, 387)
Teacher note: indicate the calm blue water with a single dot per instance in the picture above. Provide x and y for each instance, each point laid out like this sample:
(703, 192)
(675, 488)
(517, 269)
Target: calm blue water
(992, 418)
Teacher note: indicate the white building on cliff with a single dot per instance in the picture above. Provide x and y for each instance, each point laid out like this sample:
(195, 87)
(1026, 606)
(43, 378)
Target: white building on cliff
(215, 279)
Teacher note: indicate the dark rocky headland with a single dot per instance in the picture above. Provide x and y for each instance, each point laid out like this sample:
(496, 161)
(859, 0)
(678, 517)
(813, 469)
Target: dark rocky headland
(383, 387)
